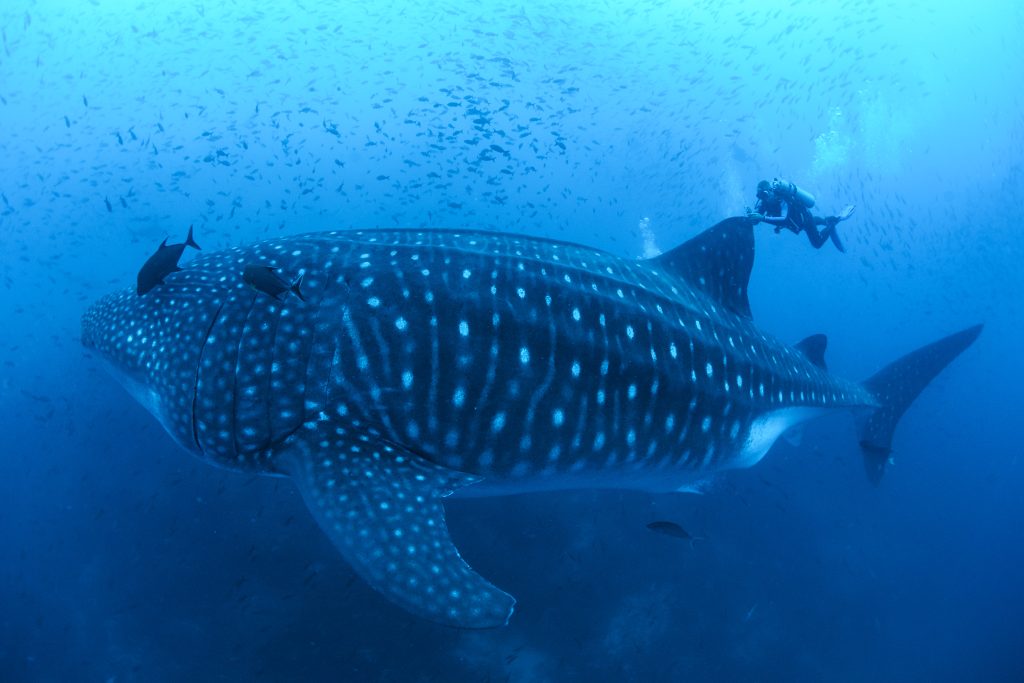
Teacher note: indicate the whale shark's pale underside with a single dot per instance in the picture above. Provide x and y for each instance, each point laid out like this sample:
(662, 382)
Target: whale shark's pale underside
(425, 363)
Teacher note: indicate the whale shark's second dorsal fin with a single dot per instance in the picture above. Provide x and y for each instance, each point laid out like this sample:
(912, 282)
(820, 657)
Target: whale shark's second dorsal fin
(718, 262)
(813, 348)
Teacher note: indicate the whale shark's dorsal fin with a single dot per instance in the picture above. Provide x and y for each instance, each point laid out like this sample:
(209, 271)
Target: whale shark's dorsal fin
(381, 506)
(718, 262)
(813, 348)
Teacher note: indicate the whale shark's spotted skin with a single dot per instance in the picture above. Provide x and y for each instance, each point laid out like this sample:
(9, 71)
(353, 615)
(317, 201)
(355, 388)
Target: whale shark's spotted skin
(425, 362)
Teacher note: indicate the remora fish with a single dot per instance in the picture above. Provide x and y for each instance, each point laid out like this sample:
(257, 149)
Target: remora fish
(432, 362)
(162, 263)
(265, 279)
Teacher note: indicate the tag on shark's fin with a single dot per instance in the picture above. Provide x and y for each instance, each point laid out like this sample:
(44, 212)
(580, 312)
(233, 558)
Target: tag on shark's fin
(718, 262)
(381, 507)
(814, 348)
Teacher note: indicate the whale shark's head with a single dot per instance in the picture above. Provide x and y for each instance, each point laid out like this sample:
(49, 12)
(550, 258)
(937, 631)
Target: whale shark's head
(152, 345)
(118, 326)
(223, 362)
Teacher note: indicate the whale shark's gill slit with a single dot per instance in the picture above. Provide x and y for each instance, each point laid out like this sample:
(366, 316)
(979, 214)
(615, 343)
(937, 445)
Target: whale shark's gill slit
(236, 444)
(540, 393)
(361, 362)
(199, 365)
(317, 375)
(384, 375)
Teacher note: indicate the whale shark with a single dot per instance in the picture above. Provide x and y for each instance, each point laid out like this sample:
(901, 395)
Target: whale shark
(429, 363)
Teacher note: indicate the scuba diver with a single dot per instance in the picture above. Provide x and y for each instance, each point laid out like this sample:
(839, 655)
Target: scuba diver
(770, 198)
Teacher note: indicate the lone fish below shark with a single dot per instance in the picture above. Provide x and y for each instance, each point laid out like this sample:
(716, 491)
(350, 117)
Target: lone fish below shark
(428, 363)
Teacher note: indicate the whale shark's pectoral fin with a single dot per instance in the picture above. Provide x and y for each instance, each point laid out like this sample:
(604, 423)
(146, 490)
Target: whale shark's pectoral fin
(381, 506)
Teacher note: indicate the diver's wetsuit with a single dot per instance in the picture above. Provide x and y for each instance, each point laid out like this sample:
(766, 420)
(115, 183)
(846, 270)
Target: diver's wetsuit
(798, 219)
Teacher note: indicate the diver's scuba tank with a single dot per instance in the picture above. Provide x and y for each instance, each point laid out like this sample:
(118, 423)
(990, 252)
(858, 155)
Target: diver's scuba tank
(786, 189)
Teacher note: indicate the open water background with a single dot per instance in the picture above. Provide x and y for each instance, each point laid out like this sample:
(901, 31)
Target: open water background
(121, 123)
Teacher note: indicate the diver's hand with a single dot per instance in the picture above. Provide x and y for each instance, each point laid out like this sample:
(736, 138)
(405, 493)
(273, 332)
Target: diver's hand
(755, 216)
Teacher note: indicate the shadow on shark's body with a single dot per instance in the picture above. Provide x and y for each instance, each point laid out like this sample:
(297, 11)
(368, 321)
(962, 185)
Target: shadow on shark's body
(425, 363)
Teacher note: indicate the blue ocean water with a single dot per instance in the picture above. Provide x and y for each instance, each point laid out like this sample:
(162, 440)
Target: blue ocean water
(624, 126)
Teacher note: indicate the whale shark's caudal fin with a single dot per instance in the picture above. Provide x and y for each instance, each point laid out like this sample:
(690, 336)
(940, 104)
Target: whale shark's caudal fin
(381, 506)
(896, 386)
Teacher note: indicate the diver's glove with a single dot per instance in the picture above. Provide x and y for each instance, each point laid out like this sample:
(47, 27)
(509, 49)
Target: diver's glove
(754, 216)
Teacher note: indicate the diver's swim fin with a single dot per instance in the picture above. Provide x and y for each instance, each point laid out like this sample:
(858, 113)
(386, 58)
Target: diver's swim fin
(834, 236)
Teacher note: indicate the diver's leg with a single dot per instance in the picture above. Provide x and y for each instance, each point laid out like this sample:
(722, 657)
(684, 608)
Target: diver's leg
(796, 218)
(831, 233)
(817, 239)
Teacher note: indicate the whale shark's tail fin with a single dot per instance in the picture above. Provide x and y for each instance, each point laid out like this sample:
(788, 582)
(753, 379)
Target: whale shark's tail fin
(896, 386)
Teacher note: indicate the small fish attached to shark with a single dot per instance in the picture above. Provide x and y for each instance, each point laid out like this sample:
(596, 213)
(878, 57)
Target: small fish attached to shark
(266, 279)
(425, 364)
(162, 263)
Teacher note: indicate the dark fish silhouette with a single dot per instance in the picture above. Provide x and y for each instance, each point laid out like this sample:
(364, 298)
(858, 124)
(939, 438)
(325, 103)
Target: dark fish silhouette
(673, 529)
(265, 279)
(670, 528)
(162, 263)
